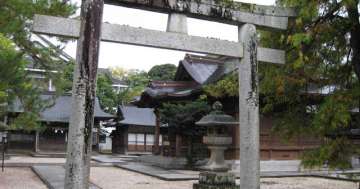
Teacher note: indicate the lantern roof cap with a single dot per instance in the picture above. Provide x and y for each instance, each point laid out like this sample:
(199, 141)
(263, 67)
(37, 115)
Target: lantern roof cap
(217, 117)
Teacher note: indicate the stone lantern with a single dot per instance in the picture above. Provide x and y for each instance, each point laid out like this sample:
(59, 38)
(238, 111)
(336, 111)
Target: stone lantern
(215, 171)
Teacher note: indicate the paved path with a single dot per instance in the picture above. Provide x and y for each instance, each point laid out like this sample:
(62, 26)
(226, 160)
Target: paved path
(164, 174)
(109, 159)
(54, 176)
(182, 175)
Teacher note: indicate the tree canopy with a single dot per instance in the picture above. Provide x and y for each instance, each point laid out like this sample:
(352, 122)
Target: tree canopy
(17, 50)
(316, 91)
(135, 79)
(183, 115)
(163, 72)
(106, 94)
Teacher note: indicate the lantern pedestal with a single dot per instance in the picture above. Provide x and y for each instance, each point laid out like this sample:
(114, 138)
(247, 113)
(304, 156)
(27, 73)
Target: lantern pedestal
(216, 180)
(217, 145)
(215, 175)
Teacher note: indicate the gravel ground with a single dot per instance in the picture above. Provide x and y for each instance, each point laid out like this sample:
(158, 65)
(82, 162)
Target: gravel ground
(110, 177)
(305, 183)
(34, 160)
(20, 178)
(29, 159)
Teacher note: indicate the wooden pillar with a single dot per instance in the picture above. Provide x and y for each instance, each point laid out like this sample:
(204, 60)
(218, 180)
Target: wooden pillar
(83, 96)
(6, 120)
(125, 139)
(145, 142)
(178, 145)
(36, 147)
(157, 133)
(249, 110)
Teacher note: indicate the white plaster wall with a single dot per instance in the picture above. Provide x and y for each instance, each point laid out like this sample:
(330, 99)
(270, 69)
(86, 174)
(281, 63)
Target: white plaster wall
(106, 147)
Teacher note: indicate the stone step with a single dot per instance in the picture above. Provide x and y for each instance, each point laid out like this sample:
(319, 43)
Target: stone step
(54, 176)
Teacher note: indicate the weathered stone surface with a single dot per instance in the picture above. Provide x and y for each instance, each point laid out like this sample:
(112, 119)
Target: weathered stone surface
(83, 96)
(151, 38)
(249, 110)
(177, 23)
(216, 161)
(231, 13)
(216, 180)
(205, 186)
(217, 140)
(53, 176)
(139, 36)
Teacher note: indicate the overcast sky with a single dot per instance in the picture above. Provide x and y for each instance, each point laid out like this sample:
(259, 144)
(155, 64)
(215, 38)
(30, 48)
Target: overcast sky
(136, 57)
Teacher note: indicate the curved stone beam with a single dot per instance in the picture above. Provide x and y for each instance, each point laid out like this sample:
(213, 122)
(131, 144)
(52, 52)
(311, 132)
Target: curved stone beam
(66, 27)
(265, 17)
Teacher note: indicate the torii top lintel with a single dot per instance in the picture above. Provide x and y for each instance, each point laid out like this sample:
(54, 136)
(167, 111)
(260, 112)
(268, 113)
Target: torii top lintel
(235, 13)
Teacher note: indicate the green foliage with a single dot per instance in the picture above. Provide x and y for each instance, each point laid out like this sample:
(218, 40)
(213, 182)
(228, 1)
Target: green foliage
(164, 72)
(14, 85)
(334, 153)
(226, 87)
(66, 77)
(15, 48)
(136, 80)
(333, 114)
(183, 115)
(105, 92)
(320, 55)
(15, 19)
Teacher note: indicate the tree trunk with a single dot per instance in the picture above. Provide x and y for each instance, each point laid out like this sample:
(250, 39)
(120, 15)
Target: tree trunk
(83, 96)
(355, 39)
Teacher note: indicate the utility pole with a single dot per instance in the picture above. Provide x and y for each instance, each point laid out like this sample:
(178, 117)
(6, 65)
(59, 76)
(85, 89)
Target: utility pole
(83, 96)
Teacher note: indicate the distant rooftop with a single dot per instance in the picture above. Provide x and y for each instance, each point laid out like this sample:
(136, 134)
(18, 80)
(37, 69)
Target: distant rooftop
(192, 73)
(137, 116)
(61, 109)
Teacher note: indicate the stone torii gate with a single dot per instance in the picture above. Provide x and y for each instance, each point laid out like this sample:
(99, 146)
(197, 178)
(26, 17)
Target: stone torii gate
(89, 31)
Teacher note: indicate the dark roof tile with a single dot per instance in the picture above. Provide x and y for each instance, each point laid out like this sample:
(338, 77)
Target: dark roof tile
(60, 111)
(137, 116)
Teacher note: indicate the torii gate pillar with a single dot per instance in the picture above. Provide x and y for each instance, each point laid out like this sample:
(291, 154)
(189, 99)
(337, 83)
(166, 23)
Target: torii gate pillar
(83, 96)
(177, 23)
(249, 109)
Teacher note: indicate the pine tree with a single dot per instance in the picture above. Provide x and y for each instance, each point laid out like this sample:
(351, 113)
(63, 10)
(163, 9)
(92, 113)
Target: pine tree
(17, 50)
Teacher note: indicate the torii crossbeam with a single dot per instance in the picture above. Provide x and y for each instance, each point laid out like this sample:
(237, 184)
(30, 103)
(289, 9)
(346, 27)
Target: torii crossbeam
(247, 17)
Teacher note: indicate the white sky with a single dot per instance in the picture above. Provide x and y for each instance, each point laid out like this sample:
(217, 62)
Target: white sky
(136, 57)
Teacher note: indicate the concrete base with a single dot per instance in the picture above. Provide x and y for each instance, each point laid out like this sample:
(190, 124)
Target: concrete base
(163, 162)
(54, 176)
(216, 180)
(160, 173)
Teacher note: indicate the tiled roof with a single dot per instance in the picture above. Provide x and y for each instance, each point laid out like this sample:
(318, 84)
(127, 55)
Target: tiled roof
(203, 69)
(137, 116)
(60, 111)
(193, 72)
